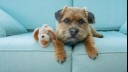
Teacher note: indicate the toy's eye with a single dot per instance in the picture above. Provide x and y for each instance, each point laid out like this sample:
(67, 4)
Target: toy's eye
(66, 21)
(81, 21)
(42, 36)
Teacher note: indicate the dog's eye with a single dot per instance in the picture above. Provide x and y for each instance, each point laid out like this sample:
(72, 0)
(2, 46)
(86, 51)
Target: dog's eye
(66, 21)
(81, 21)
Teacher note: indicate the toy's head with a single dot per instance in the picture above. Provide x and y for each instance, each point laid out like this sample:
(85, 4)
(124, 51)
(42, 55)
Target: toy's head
(44, 35)
(41, 35)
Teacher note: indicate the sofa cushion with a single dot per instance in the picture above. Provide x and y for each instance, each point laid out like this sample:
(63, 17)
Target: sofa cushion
(20, 53)
(110, 14)
(23, 42)
(32, 61)
(2, 32)
(112, 55)
(34, 13)
(110, 62)
(10, 25)
(123, 28)
(112, 42)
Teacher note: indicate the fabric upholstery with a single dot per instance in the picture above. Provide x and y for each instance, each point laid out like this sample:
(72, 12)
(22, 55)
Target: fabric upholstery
(109, 14)
(112, 55)
(2, 32)
(106, 62)
(123, 28)
(112, 42)
(24, 42)
(34, 13)
(32, 61)
(10, 25)
(20, 53)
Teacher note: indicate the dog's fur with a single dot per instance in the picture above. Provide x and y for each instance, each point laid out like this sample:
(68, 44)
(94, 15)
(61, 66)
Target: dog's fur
(80, 19)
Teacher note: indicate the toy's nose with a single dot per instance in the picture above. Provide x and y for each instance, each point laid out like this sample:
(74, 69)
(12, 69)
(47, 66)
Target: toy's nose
(73, 31)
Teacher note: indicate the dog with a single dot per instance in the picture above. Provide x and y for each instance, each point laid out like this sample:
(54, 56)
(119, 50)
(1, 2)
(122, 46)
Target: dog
(73, 26)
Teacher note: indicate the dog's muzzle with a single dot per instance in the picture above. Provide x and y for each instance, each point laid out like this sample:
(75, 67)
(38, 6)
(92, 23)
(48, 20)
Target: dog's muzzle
(73, 32)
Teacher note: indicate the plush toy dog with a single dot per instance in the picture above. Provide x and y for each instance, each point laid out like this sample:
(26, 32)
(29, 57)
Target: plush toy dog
(44, 35)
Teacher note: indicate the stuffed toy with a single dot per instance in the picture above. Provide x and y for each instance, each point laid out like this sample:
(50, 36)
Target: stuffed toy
(44, 35)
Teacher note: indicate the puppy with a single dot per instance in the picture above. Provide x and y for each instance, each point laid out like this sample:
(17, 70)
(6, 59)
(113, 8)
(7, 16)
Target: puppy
(74, 25)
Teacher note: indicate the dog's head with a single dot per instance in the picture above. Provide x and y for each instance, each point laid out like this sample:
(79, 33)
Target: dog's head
(73, 23)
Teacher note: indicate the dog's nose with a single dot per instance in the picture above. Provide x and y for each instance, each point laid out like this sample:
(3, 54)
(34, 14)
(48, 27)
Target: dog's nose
(73, 31)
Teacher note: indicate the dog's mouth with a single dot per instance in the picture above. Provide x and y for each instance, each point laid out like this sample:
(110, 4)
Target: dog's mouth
(73, 39)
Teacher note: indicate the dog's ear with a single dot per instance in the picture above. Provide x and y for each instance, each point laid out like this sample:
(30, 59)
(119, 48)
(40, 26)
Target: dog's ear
(35, 34)
(59, 14)
(91, 18)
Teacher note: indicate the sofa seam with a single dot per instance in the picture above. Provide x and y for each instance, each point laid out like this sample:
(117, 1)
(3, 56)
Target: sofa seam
(26, 51)
(103, 53)
(72, 3)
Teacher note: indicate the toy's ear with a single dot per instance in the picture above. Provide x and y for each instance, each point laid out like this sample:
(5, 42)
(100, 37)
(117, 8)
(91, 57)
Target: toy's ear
(52, 35)
(35, 34)
(91, 17)
(59, 13)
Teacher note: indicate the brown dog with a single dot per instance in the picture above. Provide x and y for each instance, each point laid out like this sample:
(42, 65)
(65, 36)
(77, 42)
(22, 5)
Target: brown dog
(73, 27)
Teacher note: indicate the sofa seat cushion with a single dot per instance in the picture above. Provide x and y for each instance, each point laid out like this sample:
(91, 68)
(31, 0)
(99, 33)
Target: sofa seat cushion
(111, 62)
(112, 55)
(32, 61)
(20, 53)
(112, 42)
(24, 42)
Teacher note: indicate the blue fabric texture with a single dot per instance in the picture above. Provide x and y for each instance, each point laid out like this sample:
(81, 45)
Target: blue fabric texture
(123, 28)
(11, 26)
(2, 32)
(109, 14)
(112, 42)
(24, 42)
(32, 61)
(110, 62)
(34, 13)
(21, 53)
(112, 55)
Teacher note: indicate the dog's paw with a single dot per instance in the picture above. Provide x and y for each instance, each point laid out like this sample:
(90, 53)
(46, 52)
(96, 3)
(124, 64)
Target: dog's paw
(101, 36)
(61, 57)
(93, 54)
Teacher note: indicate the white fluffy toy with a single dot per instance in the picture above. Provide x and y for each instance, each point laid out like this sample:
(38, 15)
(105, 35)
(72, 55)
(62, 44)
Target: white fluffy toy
(44, 35)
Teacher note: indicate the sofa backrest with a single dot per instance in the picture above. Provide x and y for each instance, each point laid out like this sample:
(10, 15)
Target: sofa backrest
(34, 13)
(110, 14)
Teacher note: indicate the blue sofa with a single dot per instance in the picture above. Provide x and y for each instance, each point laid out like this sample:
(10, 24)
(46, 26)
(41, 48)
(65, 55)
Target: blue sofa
(20, 53)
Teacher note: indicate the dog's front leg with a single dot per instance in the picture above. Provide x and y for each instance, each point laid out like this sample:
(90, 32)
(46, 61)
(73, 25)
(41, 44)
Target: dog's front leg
(90, 47)
(59, 51)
